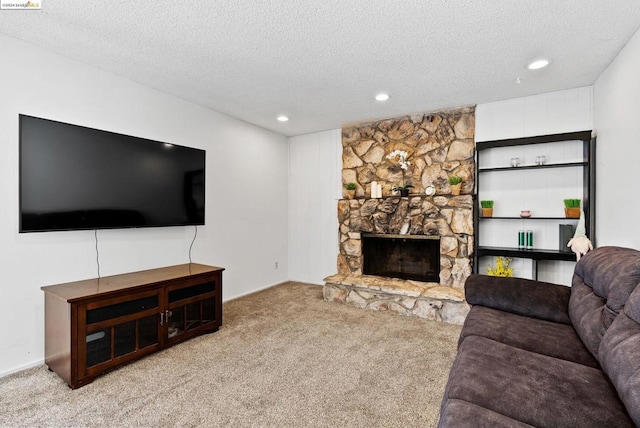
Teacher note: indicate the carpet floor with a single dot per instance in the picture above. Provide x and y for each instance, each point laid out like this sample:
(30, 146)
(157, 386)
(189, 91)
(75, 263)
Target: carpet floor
(282, 358)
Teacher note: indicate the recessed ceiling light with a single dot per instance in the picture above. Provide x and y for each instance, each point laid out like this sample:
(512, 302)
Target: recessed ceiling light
(382, 97)
(282, 118)
(538, 64)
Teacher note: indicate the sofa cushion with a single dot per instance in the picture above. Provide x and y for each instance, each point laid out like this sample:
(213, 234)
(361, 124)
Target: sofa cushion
(532, 388)
(620, 354)
(531, 334)
(520, 296)
(603, 280)
(462, 414)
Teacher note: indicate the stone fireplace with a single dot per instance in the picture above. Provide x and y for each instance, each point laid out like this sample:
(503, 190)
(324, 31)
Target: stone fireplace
(438, 145)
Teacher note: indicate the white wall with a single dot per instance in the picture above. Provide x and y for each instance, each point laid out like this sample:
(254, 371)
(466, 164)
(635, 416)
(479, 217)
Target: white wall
(551, 113)
(617, 113)
(246, 211)
(314, 189)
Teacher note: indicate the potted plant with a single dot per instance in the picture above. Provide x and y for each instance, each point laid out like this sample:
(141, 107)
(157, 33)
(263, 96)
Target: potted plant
(572, 208)
(487, 208)
(403, 190)
(456, 183)
(351, 189)
(404, 166)
(502, 267)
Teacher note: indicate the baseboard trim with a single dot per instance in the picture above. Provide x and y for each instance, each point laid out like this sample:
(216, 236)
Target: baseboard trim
(21, 368)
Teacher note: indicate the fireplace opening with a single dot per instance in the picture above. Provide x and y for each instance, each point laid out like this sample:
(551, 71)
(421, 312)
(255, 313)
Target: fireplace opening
(415, 257)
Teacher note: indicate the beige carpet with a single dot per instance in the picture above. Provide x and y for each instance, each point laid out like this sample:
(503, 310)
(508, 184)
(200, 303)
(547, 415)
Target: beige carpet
(283, 358)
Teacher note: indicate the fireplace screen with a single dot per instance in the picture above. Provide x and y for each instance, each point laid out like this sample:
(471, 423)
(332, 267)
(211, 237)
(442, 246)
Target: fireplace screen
(415, 257)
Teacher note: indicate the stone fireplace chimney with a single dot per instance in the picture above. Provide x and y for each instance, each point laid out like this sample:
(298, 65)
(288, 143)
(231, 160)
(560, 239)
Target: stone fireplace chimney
(438, 145)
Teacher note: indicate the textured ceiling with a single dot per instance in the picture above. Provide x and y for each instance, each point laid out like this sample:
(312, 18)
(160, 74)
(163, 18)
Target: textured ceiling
(322, 62)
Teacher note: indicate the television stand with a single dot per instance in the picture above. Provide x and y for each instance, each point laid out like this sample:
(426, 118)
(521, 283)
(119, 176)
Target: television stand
(96, 325)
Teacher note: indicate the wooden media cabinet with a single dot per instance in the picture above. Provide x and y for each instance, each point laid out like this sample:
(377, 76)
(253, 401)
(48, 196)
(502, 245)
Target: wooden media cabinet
(96, 325)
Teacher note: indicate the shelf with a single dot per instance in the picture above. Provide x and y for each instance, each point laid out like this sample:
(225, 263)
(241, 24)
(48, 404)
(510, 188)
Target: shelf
(411, 195)
(534, 254)
(544, 166)
(576, 163)
(552, 138)
(527, 218)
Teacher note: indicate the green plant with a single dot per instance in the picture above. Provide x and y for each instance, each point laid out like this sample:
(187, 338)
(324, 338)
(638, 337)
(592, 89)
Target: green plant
(486, 204)
(350, 186)
(572, 203)
(502, 267)
(454, 179)
(405, 187)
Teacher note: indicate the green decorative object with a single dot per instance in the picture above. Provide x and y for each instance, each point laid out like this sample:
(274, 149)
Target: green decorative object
(487, 208)
(351, 189)
(455, 179)
(572, 208)
(350, 186)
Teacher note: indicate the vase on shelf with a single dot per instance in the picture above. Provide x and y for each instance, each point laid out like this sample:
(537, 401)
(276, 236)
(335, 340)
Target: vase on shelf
(572, 212)
(487, 212)
(404, 192)
(455, 189)
(350, 193)
(572, 208)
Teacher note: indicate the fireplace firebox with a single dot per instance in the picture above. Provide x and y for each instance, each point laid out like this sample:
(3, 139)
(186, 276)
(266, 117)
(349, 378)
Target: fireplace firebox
(415, 257)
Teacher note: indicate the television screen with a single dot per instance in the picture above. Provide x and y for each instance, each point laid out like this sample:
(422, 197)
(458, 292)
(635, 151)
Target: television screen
(72, 177)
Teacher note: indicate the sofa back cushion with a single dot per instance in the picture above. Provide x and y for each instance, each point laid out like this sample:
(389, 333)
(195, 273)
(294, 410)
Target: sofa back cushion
(602, 282)
(620, 355)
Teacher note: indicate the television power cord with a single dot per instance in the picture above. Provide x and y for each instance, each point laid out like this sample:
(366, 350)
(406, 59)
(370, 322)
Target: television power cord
(97, 252)
(194, 240)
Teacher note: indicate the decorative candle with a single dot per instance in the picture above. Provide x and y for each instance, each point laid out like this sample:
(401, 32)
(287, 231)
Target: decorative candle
(374, 189)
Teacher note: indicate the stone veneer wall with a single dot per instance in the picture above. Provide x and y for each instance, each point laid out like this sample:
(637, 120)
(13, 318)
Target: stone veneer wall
(438, 145)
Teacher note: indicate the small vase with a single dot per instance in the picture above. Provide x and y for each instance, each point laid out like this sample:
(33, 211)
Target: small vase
(455, 189)
(404, 192)
(573, 212)
(487, 212)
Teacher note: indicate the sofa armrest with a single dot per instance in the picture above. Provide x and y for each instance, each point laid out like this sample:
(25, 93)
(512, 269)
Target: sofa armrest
(535, 299)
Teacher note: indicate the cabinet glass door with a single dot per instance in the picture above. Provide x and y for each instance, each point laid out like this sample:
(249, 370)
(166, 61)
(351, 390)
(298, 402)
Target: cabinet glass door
(120, 329)
(190, 308)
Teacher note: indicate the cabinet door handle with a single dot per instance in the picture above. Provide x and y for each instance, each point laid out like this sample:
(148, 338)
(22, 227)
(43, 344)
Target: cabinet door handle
(161, 318)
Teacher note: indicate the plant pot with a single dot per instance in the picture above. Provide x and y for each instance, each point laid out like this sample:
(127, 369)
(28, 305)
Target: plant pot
(487, 212)
(404, 192)
(572, 212)
(455, 189)
(350, 193)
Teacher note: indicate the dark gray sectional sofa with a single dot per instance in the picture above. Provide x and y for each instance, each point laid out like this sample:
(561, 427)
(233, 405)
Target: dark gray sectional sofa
(539, 354)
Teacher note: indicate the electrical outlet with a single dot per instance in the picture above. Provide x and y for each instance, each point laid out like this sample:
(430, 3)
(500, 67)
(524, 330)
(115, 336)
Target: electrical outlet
(276, 265)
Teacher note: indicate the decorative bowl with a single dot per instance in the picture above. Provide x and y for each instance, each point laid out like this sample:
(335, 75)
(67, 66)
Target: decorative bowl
(525, 213)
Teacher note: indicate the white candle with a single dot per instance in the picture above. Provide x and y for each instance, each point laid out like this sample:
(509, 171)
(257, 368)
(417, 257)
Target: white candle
(374, 189)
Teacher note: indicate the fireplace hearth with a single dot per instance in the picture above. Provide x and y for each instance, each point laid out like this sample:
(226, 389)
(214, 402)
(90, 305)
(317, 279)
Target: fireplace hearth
(414, 257)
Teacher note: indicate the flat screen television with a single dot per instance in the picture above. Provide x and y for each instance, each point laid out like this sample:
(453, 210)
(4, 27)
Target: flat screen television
(75, 178)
